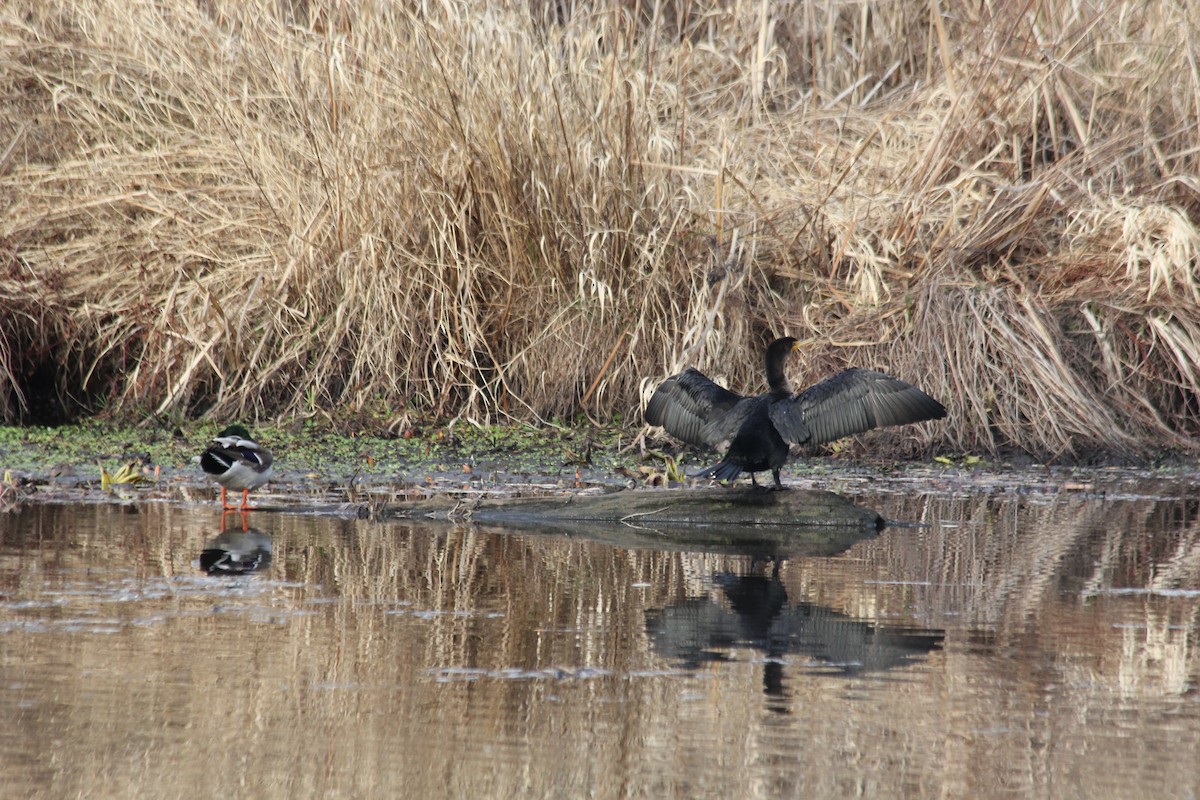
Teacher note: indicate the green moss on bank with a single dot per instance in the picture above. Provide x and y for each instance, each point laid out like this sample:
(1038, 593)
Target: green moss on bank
(309, 447)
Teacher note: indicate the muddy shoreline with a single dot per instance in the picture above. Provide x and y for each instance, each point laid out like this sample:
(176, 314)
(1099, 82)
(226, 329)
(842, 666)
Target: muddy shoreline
(454, 473)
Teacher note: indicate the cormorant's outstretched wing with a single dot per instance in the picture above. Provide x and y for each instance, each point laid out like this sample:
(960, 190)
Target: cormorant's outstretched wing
(850, 402)
(683, 404)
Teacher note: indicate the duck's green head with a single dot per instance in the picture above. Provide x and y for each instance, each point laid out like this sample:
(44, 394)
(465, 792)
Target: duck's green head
(235, 430)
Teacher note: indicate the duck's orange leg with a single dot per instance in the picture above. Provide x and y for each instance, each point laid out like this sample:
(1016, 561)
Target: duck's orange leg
(225, 516)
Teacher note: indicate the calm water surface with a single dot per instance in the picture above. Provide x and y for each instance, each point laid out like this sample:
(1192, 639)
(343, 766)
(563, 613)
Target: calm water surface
(1014, 645)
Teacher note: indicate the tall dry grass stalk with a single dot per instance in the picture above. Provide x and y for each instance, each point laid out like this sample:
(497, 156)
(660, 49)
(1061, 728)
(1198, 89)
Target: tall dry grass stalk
(489, 211)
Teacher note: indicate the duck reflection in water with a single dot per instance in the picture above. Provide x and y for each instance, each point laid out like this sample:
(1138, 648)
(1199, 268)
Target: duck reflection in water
(238, 551)
(758, 616)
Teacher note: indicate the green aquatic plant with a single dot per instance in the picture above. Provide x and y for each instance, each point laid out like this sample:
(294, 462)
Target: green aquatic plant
(965, 459)
(130, 473)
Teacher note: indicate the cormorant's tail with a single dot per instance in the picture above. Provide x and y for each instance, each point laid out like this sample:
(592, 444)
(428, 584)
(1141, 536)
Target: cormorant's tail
(721, 471)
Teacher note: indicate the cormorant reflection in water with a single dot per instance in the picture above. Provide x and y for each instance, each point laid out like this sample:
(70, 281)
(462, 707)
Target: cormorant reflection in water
(758, 616)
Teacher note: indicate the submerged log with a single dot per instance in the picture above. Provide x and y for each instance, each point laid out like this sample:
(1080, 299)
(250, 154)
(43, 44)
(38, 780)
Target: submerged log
(654, 509)
(761, 541)
(746, 521)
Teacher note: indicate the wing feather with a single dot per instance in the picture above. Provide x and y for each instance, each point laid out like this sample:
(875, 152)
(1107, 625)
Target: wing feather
(226, 452)
(850, 402)
(684, 404)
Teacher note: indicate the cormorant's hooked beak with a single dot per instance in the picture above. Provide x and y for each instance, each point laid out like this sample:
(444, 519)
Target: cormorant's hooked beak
(799, 343)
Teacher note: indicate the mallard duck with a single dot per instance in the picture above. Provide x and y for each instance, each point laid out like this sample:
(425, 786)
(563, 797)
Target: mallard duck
(236, 461)
(754, 434)
(236, 553)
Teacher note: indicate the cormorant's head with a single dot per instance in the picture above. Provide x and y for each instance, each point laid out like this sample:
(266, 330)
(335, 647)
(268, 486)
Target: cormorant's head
(777, 353)
(785, 345)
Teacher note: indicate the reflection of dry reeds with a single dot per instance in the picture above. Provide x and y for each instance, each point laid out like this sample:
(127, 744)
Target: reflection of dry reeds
(1098, 579)
(996, 560)
(471, 209)
(389, 660)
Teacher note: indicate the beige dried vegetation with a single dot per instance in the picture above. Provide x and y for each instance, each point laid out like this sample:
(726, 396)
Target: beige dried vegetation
(521, 210)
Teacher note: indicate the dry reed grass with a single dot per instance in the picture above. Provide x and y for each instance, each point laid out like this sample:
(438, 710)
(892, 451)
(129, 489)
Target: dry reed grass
(479, 211)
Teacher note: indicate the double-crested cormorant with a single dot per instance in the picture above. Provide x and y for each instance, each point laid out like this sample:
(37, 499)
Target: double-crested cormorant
(236, 461)
(754, 434)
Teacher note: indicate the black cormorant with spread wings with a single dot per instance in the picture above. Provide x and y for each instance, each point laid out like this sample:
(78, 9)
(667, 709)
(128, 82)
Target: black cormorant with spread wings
(754, 434)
